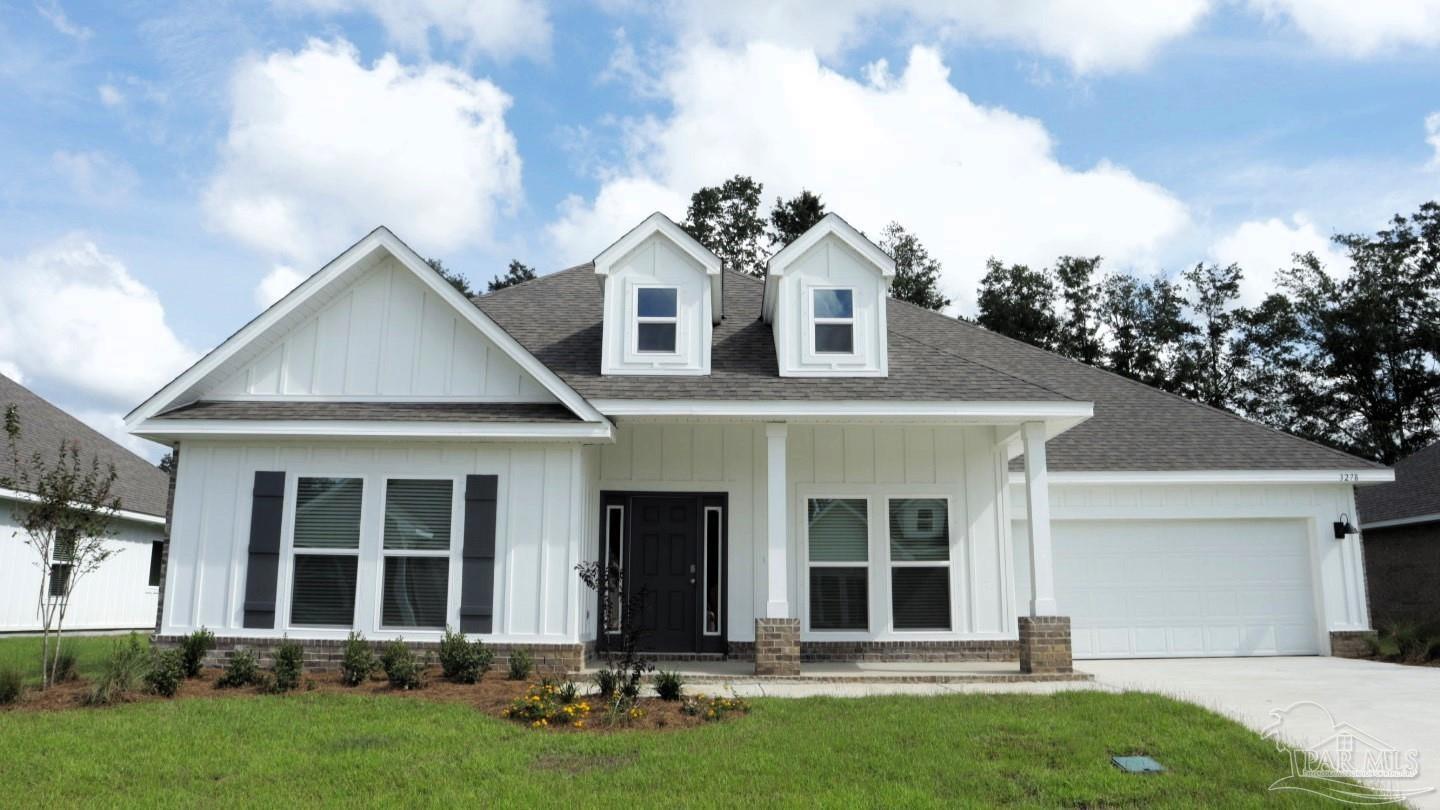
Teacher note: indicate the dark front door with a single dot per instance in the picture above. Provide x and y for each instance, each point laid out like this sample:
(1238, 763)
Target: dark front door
(664, 562)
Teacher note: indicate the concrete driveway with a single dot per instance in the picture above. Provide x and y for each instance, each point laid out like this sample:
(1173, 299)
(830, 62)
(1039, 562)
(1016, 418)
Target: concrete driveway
(1398, 705)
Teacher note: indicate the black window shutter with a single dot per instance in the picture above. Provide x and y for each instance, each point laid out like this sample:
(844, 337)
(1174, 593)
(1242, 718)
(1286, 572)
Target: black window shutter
(267, 507)
(477, 579)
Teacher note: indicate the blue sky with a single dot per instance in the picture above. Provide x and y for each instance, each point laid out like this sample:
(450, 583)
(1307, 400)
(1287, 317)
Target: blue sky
(166, 170)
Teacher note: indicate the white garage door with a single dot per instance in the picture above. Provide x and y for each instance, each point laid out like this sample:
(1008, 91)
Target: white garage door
(1159, 589)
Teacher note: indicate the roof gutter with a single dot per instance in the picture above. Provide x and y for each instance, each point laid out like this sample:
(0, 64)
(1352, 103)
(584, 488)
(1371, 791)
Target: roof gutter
(124, 514)
(1162, 477)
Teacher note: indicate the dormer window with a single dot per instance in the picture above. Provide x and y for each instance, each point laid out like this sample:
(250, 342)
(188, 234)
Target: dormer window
(834, 320)
(657, 318)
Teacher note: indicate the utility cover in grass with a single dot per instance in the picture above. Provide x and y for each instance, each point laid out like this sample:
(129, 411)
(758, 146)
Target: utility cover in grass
(1137, 764)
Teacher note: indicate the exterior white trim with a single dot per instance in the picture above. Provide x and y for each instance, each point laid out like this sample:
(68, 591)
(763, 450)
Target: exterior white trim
(379, 239)
(168, 429)
(1408, 521)
(123, 514)
(830, 223)
(658, 222)
(820, 409)
(1117, 477)
(705, 572)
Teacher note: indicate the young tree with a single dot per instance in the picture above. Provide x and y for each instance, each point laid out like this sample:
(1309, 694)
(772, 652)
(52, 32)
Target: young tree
(917, 273)
(1206, 364)
(514, 274)
(1017, 301)
(726, 219)
(456, 280)
(793, 217)
(65, 521)
(1079, 331)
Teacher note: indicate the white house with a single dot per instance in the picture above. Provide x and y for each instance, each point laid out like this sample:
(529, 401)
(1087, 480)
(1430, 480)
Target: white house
(793, 468)
(122, 593)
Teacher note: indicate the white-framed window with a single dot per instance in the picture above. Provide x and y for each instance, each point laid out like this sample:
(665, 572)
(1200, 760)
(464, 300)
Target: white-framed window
(714, 598)
(325, 551)
(832, 320)
(614, 561)
(918, 531)
(62, 564)
(657, 319)
(838, 562)
(415, 552)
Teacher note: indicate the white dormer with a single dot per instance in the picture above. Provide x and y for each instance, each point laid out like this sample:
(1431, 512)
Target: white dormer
(825, 301)
(662, 298)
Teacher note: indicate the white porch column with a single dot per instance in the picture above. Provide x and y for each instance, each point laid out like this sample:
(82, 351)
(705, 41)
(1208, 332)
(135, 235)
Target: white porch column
(1037, 507)
(777, 519)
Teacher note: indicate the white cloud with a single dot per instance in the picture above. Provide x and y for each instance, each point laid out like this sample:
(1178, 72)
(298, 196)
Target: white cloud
(94, 176)
(1432, 135)
(1359, 29)
(1092, 36)
(111, 96)
(1262, 247)
(971, 181)
(73, 315)
(321, 149)
(276, 284)
(51, 11)
(111, 424)
(12, 371)
(499, 28)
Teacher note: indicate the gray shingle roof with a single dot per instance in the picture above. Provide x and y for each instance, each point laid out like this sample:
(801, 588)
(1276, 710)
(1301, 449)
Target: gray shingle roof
(378, 411)
(932, 358)
(1414, 492)
(140, 485)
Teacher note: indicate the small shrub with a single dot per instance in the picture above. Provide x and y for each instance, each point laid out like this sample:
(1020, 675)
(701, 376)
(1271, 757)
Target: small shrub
(242, 670)
(521, 665)
(358, 661)
(568, 692)
(544, 705)
(607, 681)
(121, 673)
(714, 708)
(12, 685)
(289, 666)
(66, 667)
(464, 661)
(1407, 640)
(668, 684)
(193, 649)
(402, 668)
(167, 671)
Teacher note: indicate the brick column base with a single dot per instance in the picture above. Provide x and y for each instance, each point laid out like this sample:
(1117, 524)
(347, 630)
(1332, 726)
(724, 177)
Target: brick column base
(1045, 644)
(777, 646)
(1352, 643)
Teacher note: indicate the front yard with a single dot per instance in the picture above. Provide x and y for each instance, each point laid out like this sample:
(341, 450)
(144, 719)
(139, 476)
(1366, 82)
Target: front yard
(324, 748)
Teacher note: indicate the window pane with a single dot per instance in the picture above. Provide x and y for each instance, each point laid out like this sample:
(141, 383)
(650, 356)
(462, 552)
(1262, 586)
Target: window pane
(837, 338)
(324, 591)
(415, 591)
(327, 513)
(157, 556)
(839, 530)
(919, 530)
(921, 598)
(656, 302)
(839, 599)
(657, 337)
(712, 571)
(417, 514)
(834, 304)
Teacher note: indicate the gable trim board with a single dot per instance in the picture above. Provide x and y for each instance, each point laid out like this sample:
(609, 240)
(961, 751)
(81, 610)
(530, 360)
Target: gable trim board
(181, 390)
(173, 429)
(1407, 521)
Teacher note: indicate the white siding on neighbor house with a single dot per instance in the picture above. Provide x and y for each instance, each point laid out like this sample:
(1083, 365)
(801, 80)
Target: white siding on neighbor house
(538, 525)
(657, 262)
(964, 464)
(1284, 532)
(385, 336)
(830, 263)
(115, 596)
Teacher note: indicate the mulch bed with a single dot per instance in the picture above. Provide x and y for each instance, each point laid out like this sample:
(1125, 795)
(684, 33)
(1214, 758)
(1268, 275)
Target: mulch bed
(492, 695)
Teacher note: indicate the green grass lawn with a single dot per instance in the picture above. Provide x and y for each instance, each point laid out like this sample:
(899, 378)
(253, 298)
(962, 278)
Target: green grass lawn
(962, 750)
(23, 653)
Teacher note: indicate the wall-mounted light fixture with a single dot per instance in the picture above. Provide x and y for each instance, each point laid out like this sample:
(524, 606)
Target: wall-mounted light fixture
(1344, 527)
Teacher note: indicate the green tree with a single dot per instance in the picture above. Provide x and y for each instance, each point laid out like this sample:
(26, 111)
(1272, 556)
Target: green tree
(514, 274)
(1017, 301)
(1145, 321)
(726, 220)
(793, 217)
(1206, 362)
(1079, 330)
(1268, 352)
(456, 280)
(917, 273)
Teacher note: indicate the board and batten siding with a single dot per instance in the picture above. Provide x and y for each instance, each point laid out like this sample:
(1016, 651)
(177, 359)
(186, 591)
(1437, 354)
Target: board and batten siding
(385, 335)
(540, 491)
(115, 596)
(964, 464)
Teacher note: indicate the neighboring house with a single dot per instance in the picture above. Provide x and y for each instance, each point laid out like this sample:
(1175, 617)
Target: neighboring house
(796, 466)
(123, 592)
(1401, 522)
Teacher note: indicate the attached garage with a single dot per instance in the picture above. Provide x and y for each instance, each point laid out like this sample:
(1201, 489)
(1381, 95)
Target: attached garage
(1186, 588)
